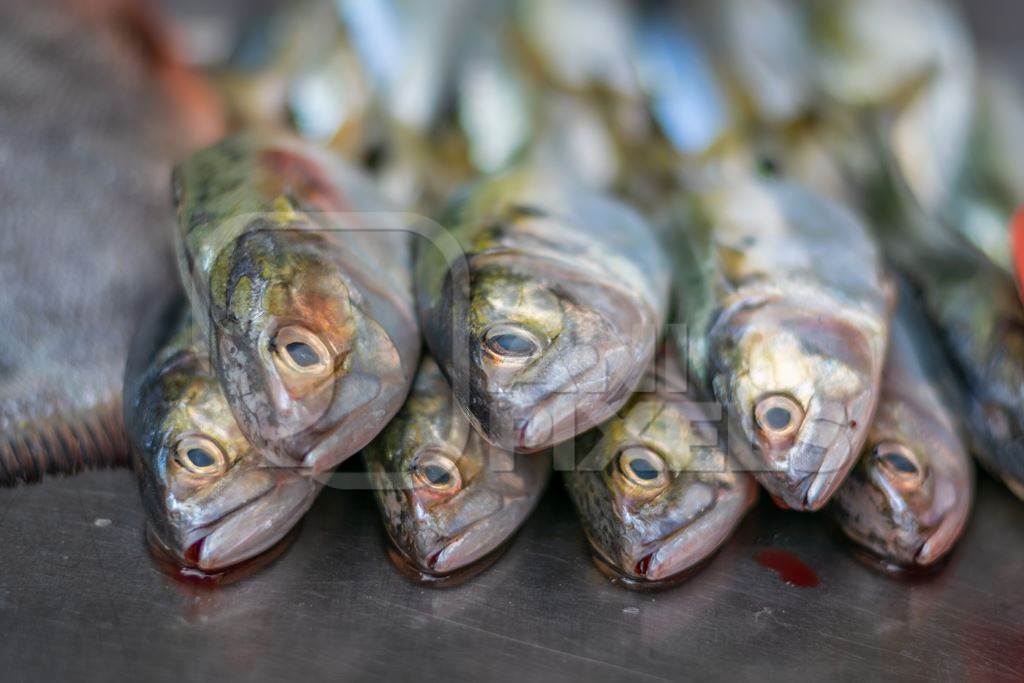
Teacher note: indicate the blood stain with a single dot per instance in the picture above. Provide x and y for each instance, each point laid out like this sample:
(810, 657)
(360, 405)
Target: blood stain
(788, 566)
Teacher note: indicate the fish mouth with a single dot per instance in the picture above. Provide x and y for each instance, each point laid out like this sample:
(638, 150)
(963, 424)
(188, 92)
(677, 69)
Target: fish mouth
(472, 542)
(481, 538)
(814, 471)
(938, 543)
(249, 529)
(677, 554)
(813, 492)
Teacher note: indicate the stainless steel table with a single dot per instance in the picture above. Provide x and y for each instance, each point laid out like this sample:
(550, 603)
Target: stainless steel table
(81, 599)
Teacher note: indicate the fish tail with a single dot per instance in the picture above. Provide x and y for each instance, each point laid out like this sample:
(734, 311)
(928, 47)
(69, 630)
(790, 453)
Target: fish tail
(64, 445)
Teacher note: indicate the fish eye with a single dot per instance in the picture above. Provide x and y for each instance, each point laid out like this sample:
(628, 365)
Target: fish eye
(200, 455)
(299, 351)
(643, 467)
(507, 342)
(899, 463)
(778, 416)
(437, 472)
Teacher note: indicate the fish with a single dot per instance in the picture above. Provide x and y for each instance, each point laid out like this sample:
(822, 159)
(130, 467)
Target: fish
(913, 62)
(448, 499)
(909, 497)
(581, 45)
(766, 54)
(542, 302)
(96, 109)
(993, 184)
(655, 488)
(369, 78)
(782, 312)
(300, 276)
(974, 305)
(678, 76)
(211, 499)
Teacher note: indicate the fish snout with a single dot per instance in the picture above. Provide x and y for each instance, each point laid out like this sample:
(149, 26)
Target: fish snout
(259, 509)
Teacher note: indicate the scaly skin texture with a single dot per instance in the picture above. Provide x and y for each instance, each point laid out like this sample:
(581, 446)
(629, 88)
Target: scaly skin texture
(468, 513)
(547, 319)
(783, 304)
(94, 113)
(281, 244)
(236, 506)
(909, 497)
(656, 532)
(974, 305)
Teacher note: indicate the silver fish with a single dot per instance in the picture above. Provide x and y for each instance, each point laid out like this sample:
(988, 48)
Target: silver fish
(448, 498)
(656, 492)
(993, 186)
(784, 312)
(915, 61)
(545, 316)
(765, 49)
(299, 274)
(211, 499)
(975, 305)
(909, 497)
(687, 96)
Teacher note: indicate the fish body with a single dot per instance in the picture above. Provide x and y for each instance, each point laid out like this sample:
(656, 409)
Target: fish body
(447, 497)
(993, 187)
(299, 274)
(914, 63)
(544, 310)
(908, 498)
(765, 50)
(211, 499)
(655, 489)
(94, 112)
(974, 305)
(686, 92)
(783, 313)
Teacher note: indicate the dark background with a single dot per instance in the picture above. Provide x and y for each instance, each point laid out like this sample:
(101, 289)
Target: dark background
(80, 597)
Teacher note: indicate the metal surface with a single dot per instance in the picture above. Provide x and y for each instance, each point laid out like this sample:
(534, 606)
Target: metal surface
(81, 599)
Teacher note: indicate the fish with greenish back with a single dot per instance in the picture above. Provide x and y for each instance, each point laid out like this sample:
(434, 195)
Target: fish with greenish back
(448, 498)
(783, 315)
(299, 274)
(542, 303)
(211, 499)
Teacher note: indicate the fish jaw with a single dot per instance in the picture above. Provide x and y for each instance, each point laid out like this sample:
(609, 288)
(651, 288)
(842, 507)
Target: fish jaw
(690, 545)
(473, 524)
(476, 541)
(257, 509)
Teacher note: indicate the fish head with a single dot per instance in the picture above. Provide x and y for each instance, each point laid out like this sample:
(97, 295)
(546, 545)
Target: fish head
(211, 500)
(909, 496)
(801, 379)
(656, 492)
(448, 497)
(299, 356)
(549, 355)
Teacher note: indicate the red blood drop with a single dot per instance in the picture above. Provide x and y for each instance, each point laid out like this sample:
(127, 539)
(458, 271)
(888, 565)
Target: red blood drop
(788, 566)
(193, 552)
(643, 564)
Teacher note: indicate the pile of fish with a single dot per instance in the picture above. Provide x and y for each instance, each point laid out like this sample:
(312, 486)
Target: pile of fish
(676, 254)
